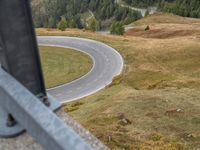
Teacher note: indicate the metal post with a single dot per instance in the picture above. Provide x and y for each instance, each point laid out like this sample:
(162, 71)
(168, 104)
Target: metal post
(19, 55)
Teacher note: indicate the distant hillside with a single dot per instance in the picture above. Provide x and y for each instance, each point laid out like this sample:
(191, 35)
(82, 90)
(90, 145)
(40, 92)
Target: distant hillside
(164, 26)
(167, 18)
(47, 13)
(186, 8)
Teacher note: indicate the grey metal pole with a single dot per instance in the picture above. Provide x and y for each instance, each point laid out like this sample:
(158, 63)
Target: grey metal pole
(20, 56)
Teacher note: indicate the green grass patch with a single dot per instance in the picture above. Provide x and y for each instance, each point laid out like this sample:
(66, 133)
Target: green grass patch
(62, 65)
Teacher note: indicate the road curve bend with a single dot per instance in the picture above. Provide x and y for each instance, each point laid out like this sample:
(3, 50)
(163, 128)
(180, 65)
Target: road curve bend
(107, 63)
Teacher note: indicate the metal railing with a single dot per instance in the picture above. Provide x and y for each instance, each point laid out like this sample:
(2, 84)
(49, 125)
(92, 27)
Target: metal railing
(24, 103)
(37, 119)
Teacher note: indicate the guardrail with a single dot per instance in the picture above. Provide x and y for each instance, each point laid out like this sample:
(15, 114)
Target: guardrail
(37, 119)
(24, 103)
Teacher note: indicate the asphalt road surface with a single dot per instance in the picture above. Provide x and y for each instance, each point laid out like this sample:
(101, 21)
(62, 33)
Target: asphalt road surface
(107, 63)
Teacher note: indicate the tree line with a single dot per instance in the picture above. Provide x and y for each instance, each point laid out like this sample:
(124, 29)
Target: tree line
(54, 13)
(142, 3)
(186, 8)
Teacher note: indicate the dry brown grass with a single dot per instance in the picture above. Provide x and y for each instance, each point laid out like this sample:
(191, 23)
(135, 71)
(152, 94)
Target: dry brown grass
(163, 25)
(166, 18)
(162, 33)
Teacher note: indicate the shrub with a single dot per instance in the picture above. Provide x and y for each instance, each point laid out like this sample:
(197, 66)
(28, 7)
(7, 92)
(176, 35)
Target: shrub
(147, 28)
(117, 28)
(94, 25)
(146, 13)
(62, 25)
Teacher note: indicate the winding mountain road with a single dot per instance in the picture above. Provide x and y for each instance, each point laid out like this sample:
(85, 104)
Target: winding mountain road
(107, 63)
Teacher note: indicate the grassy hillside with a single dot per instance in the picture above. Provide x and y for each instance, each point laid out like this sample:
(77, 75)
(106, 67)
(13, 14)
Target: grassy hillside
(60, 67)
(165, 25)
(154, 103)
(160, 17)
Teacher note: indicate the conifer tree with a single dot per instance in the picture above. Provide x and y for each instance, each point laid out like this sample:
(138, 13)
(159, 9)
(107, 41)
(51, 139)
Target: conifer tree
(62, 25)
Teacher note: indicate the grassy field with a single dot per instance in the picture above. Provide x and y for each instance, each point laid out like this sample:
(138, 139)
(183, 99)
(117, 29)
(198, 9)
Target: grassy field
(62, 65)
(164, 25)
(155, 102)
